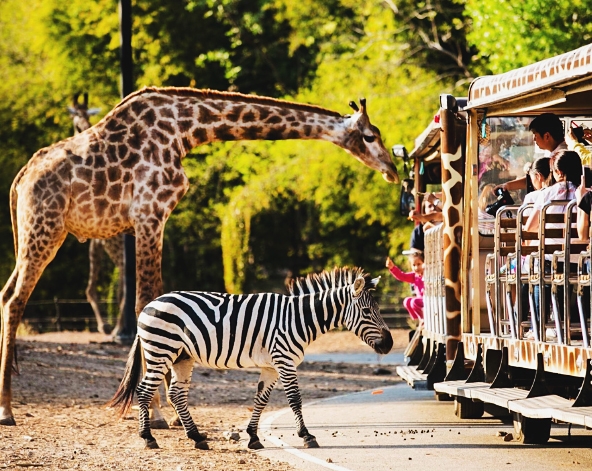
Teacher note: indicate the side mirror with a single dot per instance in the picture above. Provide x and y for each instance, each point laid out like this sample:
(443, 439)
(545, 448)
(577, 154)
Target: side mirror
(399, 151)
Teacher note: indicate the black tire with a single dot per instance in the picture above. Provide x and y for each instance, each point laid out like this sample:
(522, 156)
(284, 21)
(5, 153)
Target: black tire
(465, 408)
(531, 431)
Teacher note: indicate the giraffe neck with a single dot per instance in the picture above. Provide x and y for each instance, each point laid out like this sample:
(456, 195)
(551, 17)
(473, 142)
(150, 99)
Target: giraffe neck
(187, 118)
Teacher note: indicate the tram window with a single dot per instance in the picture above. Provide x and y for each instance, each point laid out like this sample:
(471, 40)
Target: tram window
(506, 151)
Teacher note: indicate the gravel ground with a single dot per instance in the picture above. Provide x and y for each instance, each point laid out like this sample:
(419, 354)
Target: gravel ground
(66, 379)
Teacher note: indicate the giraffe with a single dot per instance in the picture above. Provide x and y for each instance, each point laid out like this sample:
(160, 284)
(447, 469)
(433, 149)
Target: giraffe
(113, 246)
(124, 175)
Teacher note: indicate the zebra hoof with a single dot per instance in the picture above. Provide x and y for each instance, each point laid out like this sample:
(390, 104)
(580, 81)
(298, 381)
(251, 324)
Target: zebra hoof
(159, 424)
(8, 421)
(311, 443)
(151, 444)
(256, 445)
(203, 445)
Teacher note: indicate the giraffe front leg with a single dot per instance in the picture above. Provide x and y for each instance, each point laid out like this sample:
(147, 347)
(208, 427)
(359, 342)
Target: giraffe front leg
(148, 287)
(289, 379)
(267, 380)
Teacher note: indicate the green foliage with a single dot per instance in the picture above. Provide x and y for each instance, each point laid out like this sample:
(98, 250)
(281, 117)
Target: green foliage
(258, 212)
(511, 34)
(433, 35)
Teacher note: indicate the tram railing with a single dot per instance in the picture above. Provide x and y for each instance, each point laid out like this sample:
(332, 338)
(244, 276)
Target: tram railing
(434, 288)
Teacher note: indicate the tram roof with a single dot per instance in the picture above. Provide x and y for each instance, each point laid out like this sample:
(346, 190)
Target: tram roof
(561, 84)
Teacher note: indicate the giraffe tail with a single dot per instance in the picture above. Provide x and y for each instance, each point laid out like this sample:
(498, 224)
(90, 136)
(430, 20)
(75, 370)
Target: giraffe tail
(122, 400)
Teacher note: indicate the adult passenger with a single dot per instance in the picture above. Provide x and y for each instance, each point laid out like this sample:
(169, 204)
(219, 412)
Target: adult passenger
(547, 131)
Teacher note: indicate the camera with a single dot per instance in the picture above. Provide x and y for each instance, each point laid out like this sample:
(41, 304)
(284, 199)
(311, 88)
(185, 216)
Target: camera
(503, 199)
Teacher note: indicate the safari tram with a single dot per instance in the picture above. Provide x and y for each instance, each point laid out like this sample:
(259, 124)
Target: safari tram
(499, 335)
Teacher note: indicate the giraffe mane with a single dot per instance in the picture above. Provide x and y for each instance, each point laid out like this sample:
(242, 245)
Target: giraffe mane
(229, 96)
(326, 280)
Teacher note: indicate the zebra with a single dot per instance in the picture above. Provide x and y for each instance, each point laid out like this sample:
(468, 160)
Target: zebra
(229, 331)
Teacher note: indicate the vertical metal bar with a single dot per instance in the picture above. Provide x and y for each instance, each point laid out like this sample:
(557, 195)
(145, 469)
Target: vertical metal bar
(128, 332)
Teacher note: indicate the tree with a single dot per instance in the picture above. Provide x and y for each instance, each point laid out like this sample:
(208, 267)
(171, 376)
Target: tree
(509, 34)
(433, 34)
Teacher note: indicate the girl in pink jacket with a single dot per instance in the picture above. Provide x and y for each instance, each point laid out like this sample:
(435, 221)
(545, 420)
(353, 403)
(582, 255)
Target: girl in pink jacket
(414, 305)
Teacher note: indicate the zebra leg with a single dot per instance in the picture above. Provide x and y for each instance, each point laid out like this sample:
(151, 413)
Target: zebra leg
(289, 379)
(267, 380)
(177, 396)
(145, 392)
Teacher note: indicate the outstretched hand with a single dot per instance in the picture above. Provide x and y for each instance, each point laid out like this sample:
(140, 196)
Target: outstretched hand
(389, 263)
(581, 190)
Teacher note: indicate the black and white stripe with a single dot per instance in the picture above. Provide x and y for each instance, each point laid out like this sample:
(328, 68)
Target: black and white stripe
(269, 331)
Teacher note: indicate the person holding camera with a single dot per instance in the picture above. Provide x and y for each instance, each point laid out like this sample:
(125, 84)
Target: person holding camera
(547, 131)
(577, 144)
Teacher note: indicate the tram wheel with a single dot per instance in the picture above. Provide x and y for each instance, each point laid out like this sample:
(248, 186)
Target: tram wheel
(465, 408)
(443, 397)
(531, 431)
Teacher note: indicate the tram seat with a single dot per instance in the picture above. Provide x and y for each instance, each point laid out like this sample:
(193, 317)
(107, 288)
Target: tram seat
(519, 315)
(566, 276)
(495, 277)
(583, 293)
(551, 230)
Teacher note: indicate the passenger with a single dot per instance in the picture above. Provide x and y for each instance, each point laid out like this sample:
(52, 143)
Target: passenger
(539, 172)
(547, 131)
(567, 172)
(431, 217)
(414, 304)
(573, 144)
(486, 198)
(584, 198)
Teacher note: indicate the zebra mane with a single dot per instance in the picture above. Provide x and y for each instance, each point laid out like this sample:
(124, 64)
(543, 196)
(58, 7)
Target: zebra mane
(326, 280)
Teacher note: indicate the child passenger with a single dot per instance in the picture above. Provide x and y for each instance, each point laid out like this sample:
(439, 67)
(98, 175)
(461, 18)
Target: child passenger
(414, 304)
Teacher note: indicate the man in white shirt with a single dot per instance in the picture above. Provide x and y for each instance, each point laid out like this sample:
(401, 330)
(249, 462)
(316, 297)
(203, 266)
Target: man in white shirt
(547, 131)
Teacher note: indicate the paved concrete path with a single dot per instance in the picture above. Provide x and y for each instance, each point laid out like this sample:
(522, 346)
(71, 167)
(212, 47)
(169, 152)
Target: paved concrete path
(398, 428)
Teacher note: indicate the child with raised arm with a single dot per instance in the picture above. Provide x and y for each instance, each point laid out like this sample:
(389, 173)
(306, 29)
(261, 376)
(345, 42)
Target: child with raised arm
(414, 304)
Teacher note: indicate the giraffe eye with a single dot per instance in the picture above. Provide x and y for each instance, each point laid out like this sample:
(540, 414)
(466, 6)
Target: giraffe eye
(369, 138)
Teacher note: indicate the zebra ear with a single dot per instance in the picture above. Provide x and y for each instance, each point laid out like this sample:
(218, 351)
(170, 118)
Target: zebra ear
(358, 286)
(373, 283)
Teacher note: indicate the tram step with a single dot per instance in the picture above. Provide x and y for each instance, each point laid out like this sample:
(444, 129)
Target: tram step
(459, 388)
(501, 397)
(574, 415)
(414, 378)
(543, 407)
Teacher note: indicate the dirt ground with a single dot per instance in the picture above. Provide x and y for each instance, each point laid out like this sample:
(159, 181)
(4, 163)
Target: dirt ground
(66, 379)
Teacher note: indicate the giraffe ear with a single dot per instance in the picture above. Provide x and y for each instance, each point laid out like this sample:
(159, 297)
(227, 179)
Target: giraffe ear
(354, 106)
(358, 286)
(71, 110)
(93, 111)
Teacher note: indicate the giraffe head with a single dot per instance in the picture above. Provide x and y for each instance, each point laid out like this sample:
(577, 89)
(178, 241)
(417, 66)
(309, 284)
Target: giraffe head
(80, 113)
(363, 141)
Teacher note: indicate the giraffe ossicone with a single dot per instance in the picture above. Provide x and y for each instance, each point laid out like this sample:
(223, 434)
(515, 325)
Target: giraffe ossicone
(124, 175)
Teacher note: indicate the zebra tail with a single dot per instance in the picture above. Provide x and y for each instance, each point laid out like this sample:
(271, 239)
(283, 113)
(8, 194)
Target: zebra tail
(124, 395)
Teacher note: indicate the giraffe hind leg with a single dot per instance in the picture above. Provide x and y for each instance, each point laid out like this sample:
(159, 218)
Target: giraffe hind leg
(267, 380)
(177, 396)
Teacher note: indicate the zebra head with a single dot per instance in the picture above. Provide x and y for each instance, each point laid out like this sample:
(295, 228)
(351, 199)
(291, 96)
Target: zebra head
(364, 317)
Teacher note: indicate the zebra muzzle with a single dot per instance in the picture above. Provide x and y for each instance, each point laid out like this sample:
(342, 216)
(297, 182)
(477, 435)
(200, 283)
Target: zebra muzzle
(385, 343)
